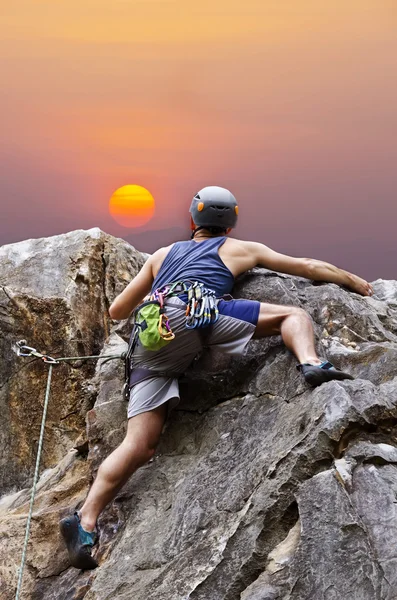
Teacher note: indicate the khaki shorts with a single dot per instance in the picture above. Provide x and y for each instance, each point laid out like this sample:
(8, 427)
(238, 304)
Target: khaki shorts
(230, 335)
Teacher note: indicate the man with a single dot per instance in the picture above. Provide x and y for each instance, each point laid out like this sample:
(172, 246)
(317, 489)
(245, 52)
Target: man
(214, 260)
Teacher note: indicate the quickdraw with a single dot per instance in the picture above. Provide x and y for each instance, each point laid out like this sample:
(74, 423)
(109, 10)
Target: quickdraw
(201, 309)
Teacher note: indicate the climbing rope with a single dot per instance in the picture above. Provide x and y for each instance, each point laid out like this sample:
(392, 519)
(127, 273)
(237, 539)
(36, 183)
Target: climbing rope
(35, 479)
(21, 349)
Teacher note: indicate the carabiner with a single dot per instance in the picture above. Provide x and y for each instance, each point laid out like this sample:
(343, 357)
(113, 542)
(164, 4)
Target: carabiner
(21, 349)
(167, 335)
(26, 351)
(49, 360)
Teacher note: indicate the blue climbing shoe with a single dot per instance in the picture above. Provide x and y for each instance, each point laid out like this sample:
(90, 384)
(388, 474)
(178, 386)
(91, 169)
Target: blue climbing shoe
(315, 375)
(79, 543)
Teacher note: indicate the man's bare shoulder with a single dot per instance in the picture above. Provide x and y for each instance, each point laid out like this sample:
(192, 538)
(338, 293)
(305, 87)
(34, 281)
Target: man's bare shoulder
(161, 253)
(157, 258)
(242, 245)
(239, 255)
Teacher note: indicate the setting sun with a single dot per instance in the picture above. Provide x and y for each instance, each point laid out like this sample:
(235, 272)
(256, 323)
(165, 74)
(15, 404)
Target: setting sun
(132, 206)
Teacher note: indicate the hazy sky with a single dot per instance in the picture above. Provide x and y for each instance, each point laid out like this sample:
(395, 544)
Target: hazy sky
(291, 104)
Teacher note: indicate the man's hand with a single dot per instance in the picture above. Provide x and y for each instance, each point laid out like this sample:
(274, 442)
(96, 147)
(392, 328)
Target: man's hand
(321, 271)
(360, 286)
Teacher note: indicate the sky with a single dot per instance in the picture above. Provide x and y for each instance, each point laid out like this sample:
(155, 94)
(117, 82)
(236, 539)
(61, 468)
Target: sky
(291, 104)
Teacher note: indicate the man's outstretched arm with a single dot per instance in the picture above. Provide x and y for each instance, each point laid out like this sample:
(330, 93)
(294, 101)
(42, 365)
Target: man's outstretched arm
(310, 268)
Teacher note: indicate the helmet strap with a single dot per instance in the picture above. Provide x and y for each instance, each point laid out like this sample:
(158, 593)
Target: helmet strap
(195, 231)
(224, 231)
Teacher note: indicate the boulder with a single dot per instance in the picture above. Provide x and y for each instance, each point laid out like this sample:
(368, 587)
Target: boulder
(54, 293)
(261, 488)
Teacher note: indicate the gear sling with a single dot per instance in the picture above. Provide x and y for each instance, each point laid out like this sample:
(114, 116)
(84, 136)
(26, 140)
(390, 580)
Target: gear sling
(152, 328)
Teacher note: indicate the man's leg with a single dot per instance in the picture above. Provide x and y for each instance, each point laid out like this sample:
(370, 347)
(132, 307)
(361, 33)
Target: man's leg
(137, 448)
(295, 327)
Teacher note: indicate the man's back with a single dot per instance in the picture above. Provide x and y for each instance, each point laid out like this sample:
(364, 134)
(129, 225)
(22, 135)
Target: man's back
(203, 261)
(237, 255)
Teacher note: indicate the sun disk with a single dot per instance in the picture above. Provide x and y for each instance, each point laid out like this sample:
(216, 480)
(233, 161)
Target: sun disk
(131, 206)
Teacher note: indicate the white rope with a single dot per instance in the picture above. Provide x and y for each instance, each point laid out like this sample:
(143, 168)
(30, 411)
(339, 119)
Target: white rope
(35, 478)
(22, 350)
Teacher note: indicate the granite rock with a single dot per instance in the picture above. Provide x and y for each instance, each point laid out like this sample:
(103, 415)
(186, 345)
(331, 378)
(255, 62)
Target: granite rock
(261, 487)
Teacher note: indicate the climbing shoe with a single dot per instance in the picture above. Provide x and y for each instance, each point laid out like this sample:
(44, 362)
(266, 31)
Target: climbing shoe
(79, 542)
(317, 374)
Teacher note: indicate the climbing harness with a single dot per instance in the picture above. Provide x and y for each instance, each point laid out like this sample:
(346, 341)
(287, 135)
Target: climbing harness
(153, 330)
(150, 317)
(22, 349)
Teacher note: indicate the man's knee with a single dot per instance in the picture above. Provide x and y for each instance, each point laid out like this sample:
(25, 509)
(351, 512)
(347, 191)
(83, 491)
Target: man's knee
(272, 317)
(299, 312)
(292, 312)
(140, 451)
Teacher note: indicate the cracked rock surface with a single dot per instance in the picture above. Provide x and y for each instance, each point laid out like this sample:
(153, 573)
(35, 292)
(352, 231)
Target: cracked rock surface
(261, 488)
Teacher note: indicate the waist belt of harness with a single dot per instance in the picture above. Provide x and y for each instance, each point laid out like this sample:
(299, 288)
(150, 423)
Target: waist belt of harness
(139, 374)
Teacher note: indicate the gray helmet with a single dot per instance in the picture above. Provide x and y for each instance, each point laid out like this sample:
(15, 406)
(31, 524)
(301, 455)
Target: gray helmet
(214, 206)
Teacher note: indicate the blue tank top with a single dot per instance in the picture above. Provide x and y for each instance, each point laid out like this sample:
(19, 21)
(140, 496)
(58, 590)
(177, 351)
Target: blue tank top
(196, 261)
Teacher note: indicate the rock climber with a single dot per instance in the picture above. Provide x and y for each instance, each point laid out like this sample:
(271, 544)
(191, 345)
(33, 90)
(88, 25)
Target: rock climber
(213, 259)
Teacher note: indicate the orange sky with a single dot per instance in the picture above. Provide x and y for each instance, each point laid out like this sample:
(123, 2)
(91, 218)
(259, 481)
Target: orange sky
(290, 104)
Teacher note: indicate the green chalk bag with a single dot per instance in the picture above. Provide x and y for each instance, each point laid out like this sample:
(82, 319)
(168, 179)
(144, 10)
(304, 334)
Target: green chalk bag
(154, 329)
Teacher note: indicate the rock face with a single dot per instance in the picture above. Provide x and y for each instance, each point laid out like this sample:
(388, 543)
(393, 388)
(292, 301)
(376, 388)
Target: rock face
(261, 488)
(54, 292)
